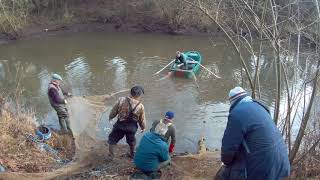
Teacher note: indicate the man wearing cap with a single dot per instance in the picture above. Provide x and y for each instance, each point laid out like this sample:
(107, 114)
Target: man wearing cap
(171, 133)
(152, 153)
(58, 102)
(130, 112)
(252, 146)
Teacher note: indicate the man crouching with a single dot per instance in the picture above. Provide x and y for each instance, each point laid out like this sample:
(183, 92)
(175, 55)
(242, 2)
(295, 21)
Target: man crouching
(153, 151)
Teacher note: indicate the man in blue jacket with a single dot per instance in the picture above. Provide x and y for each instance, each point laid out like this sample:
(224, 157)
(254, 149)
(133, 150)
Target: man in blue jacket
(153, 151)
(252, 146)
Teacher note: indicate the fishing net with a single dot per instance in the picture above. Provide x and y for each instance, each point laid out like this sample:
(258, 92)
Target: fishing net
(86, 114)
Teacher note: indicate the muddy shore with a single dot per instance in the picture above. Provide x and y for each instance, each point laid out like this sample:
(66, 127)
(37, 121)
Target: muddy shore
(41, 31)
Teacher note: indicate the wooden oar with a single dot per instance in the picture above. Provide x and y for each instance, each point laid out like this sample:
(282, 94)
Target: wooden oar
(194, 61)
(209, 71)
(195, 79)
(166, 76)
(164, 67)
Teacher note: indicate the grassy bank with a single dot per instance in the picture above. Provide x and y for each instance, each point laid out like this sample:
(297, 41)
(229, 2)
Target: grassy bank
(17, 154)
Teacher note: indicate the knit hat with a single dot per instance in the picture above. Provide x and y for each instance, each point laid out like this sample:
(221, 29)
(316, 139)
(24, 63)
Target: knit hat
(236, 92)
(137, 91)
(169, 115)
(56, 77)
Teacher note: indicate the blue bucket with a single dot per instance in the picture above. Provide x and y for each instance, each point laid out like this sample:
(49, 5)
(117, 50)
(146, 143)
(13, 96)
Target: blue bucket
(43, 133)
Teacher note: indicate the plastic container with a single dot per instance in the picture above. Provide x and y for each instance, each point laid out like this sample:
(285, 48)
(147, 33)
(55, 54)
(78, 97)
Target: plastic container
(43, 133)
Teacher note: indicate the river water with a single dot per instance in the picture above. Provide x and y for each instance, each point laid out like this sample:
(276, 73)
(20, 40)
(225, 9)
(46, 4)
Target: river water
(104, 62)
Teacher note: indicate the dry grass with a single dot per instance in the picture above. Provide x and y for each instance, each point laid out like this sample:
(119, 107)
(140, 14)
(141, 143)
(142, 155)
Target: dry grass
(19, 155)
(65, 144)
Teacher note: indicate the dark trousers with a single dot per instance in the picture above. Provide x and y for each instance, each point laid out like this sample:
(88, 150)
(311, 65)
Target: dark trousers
(63, 116)
(121, 129)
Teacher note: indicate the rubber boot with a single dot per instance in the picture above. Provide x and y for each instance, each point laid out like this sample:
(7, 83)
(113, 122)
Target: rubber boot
(131, 154)
(69, 130)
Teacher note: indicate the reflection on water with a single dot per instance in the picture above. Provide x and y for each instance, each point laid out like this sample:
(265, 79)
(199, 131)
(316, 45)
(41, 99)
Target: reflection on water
(2, 71)
(120, 75)
(101, 63)
(78, 75)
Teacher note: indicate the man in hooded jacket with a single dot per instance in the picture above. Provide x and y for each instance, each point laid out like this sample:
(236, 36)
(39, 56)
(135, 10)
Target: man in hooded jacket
(252, 146)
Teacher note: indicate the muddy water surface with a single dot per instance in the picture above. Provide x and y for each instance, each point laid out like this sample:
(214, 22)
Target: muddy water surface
(102, 63)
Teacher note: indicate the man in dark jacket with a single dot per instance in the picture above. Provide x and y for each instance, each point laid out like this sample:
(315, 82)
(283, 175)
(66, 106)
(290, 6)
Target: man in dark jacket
(152, 153)
(58, 102)
(170, 136)
(252, 146)
(130, 112)
(181, 59)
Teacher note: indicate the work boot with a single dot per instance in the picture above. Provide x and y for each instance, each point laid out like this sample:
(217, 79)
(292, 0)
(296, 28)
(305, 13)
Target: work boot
(111, 152)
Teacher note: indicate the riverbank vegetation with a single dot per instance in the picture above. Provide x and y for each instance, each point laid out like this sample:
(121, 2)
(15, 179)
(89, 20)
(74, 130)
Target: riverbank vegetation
(22, 16)
(289, 30)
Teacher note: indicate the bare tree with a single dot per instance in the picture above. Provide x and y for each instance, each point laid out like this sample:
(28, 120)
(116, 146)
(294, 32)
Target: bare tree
(282, 26)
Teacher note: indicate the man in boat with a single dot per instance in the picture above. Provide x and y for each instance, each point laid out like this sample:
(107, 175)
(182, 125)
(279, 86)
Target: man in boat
(130, 112)
(58, 101)
(252, 146)
(153, 151)
(170, 136)
(183, 60)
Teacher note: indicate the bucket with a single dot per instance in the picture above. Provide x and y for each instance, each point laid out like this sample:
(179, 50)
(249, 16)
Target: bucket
(43, 133)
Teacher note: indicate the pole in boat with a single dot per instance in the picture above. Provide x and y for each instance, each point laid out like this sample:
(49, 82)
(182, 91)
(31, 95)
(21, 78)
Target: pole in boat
(164, 67)
(194, 61)
(195, 79)
(209, 71)
(166, 76)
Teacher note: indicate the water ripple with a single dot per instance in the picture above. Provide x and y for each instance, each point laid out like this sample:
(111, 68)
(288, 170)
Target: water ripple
(78, 75)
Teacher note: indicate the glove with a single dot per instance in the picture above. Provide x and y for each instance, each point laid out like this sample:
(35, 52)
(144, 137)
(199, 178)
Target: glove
(171, 148)
(69, 94)
(65, 101)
